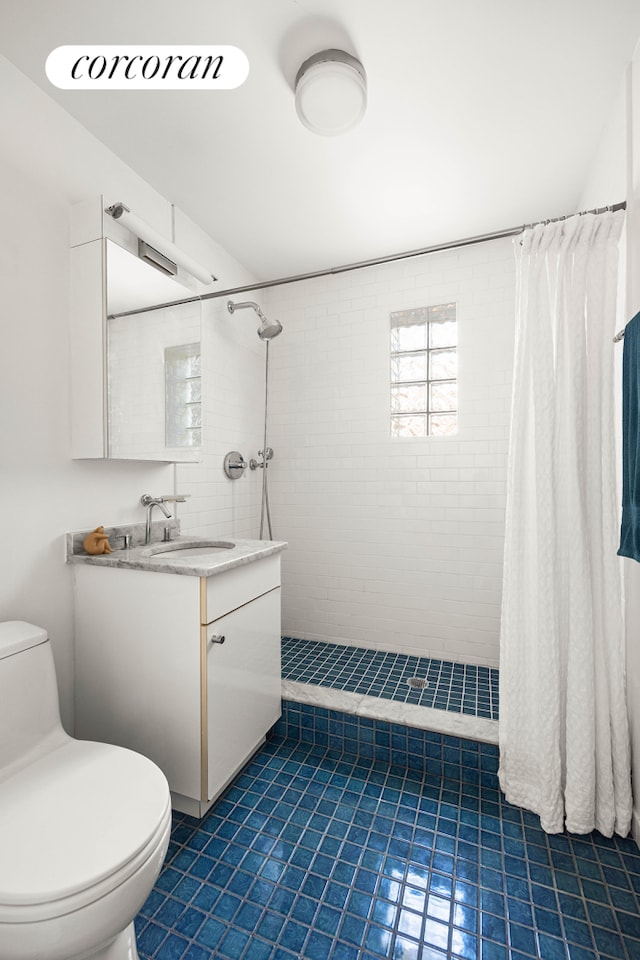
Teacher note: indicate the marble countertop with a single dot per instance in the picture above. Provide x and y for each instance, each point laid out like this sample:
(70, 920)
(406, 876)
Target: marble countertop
(207, 565)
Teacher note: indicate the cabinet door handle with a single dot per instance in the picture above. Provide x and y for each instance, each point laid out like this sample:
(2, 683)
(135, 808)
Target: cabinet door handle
(217, 639)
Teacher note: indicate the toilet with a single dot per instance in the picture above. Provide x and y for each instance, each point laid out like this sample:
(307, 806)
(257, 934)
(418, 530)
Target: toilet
(84, 827)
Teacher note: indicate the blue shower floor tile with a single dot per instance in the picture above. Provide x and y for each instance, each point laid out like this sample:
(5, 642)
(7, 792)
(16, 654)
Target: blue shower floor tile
(316, 855)
(458, 687)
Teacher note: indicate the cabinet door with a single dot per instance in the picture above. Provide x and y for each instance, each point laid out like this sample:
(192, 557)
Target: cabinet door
(243, 686)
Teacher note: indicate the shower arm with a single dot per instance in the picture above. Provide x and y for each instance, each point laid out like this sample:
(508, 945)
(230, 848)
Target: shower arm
(245, 304)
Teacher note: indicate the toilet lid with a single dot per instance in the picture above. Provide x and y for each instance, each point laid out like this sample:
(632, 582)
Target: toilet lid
(74, 817)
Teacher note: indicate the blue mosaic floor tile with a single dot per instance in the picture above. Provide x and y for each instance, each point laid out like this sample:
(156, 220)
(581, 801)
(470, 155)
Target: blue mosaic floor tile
(459, 687)
(311, 855)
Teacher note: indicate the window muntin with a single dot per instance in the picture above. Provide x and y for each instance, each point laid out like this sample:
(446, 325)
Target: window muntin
(424, 369)
(183, 395)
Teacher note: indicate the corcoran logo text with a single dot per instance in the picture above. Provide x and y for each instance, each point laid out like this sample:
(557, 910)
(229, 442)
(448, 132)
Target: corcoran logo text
(95, 67)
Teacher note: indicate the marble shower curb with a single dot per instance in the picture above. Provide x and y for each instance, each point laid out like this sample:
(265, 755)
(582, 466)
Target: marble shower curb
(375, 708)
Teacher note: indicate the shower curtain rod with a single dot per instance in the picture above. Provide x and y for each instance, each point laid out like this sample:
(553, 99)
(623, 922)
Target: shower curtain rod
(376, 261)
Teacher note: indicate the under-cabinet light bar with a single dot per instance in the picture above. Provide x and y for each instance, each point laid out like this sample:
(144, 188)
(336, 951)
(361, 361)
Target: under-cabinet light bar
(142, 230)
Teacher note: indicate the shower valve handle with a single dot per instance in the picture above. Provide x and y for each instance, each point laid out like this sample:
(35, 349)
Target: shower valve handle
(234, 465)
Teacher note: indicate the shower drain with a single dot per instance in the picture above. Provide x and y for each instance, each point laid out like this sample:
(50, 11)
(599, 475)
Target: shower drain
(418, 683)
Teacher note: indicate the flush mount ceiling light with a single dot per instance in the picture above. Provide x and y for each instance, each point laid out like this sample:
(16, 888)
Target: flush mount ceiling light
(331, 92)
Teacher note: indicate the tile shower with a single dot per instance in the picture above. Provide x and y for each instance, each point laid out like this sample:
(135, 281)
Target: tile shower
(394, 544)
(458, 687)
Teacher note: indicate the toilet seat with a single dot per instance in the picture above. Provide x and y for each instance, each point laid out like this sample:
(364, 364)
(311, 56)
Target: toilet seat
(74, 825)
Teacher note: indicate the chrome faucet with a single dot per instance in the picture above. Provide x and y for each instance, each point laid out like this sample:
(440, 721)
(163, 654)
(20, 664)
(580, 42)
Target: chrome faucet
(150, 502)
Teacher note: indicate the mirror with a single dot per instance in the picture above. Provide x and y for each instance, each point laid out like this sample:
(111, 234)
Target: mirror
(153, 362)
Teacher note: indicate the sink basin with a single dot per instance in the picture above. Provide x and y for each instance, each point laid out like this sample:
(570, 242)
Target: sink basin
(176, 551)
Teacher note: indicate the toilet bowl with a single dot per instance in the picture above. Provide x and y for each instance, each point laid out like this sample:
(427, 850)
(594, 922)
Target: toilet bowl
(84, 827)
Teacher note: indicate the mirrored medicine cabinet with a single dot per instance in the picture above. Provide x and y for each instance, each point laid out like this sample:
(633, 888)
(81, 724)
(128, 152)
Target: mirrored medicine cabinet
(136, 367)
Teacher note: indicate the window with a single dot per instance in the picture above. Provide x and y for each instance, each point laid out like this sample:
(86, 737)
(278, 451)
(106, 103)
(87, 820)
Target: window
(424, 366)
(183, 396)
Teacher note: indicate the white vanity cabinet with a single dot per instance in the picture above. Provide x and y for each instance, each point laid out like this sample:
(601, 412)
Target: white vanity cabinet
(154, 674)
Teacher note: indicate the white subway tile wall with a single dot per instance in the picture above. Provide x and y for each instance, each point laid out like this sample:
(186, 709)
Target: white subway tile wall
(232, 410)
(394, 544)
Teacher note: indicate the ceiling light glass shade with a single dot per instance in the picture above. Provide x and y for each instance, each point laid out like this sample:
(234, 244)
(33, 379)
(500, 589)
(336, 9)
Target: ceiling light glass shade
(331, 92)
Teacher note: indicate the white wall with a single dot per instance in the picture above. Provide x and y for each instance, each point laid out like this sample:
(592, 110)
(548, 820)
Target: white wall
(393, 544)
(47, 162)
(614, 176)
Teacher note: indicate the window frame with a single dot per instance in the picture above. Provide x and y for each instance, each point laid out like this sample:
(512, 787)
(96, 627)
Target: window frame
(429, 317)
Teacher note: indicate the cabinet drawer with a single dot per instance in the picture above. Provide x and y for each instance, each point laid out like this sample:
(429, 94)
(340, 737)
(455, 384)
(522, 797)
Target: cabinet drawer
(227, 591)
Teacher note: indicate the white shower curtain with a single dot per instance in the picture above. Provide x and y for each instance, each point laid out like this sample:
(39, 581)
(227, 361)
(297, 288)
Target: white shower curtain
(564, 743)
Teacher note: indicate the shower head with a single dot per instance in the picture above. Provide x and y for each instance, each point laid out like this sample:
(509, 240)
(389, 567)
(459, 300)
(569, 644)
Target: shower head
(268, 329)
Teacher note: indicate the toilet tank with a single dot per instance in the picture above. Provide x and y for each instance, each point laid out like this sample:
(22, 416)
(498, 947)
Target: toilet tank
(29, 708)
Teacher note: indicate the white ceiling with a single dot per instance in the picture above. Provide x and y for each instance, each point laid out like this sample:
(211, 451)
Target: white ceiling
(482, 114)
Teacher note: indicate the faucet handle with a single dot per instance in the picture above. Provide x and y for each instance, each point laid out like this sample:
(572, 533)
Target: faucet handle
(146, 499)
